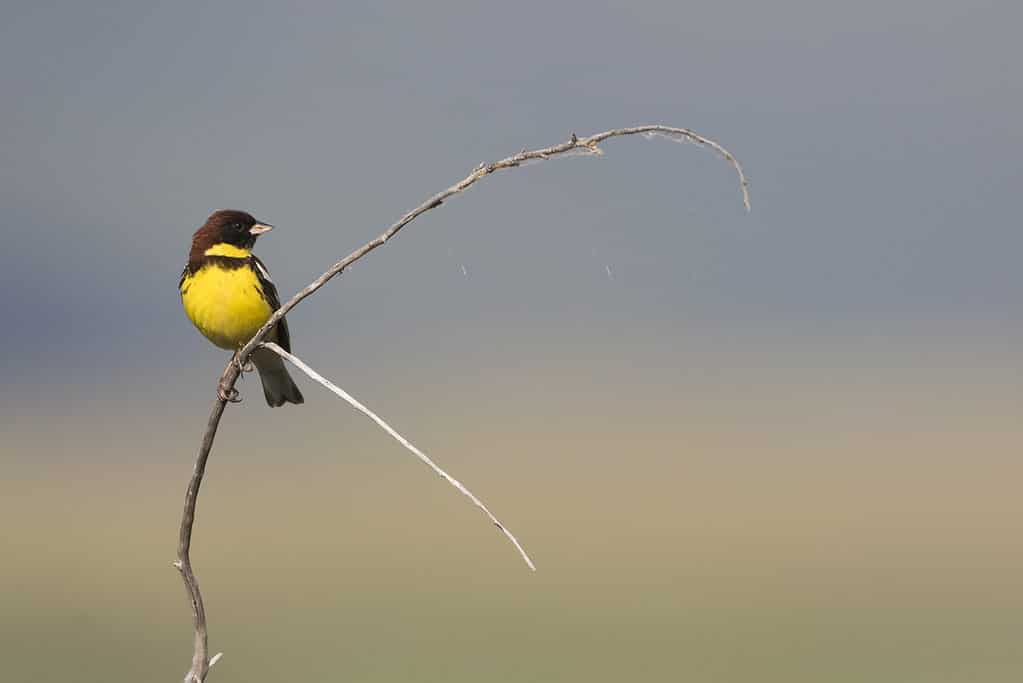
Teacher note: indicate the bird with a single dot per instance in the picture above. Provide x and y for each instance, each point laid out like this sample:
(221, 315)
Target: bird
(228, 295)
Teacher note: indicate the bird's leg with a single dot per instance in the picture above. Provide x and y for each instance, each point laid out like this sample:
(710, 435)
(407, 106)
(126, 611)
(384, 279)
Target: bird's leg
(227, 393)
(247, 366)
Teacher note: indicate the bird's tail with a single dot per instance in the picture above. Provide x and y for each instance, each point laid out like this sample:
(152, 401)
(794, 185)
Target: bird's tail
(278, 387)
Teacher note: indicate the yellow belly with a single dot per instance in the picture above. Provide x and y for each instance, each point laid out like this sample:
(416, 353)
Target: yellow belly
(227, 305)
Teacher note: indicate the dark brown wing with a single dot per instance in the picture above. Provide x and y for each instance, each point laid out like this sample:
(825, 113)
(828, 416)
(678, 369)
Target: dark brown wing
(270, 294)
(184, 273)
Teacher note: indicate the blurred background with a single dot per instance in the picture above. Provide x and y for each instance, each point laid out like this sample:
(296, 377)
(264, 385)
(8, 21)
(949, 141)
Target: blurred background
(776, 446)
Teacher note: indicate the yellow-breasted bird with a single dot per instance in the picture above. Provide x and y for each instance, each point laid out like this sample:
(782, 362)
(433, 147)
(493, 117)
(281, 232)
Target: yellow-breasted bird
(228, 295)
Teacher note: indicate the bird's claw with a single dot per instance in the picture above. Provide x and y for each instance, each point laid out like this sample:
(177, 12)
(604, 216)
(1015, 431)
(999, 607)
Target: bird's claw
(228, 394)
(247, 366)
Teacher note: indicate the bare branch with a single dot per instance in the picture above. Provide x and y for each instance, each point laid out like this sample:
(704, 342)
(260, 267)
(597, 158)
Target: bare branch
(588, 146)
(201, 662)
(341, 393)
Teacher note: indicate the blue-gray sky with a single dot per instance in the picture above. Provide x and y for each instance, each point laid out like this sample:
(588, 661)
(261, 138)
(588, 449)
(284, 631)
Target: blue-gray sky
(775, 446)
(882, 141)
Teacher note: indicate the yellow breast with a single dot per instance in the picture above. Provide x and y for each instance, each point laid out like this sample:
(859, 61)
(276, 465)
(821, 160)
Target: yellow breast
(226, 304)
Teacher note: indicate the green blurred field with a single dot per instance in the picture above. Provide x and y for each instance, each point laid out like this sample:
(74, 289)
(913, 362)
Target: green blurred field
(839, 529)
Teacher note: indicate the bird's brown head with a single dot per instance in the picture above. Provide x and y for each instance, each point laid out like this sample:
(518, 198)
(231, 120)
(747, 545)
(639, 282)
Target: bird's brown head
(227, 227)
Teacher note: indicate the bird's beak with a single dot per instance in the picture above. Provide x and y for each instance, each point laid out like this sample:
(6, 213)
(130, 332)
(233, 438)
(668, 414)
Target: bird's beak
(260, 228)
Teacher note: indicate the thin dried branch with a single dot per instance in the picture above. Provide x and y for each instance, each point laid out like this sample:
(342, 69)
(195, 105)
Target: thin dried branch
(201, 662)
(588, 146)
(341, 393)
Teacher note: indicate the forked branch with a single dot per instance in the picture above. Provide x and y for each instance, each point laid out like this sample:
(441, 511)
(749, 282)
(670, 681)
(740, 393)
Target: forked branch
(201, 661)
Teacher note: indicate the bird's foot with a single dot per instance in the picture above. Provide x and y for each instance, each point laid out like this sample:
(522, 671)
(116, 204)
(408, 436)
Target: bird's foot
(228, 394)
(247, 366)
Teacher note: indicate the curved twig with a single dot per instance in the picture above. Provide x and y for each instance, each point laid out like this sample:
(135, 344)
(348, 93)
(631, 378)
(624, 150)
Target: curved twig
(201, 661)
